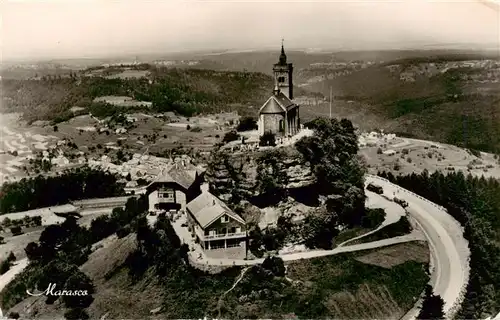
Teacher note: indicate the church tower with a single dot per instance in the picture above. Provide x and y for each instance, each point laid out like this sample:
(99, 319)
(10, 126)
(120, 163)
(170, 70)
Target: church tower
(283, 81)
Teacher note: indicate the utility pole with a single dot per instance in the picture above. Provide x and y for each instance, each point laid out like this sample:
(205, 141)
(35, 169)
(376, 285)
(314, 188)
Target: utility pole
(330, 102)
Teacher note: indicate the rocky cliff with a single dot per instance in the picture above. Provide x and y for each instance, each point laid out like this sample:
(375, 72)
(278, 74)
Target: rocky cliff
(243, 173)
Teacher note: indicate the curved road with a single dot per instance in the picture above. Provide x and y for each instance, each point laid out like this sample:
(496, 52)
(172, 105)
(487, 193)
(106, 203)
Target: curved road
(449, 249)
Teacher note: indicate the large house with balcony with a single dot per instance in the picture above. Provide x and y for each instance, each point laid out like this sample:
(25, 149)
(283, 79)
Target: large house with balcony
(214, 225)
(174, 188)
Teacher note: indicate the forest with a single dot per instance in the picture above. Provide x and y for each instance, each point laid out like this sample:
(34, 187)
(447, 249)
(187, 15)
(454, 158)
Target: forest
(184, 91)
(45, 191)
(475, 203)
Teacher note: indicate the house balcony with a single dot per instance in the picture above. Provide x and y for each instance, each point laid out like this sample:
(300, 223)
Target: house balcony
(221, 236)
(166, 200)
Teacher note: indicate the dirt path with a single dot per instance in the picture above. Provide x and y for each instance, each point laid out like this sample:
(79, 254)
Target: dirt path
(219, 304)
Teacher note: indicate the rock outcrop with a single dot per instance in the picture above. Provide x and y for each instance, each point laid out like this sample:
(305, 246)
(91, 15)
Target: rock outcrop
(229, 173)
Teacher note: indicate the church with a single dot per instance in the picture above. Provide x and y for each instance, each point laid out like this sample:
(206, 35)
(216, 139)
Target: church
(279, 115)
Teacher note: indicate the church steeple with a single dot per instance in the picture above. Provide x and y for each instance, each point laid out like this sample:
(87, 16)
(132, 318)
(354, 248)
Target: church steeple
(282, 60)
(283, 72)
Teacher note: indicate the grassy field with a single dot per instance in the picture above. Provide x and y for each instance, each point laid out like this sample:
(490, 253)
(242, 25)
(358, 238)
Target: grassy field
(342, 287)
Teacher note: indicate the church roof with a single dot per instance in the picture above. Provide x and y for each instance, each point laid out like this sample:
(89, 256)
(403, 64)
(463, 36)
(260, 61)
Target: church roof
(277, 103)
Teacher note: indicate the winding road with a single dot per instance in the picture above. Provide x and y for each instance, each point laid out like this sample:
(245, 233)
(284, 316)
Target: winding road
(449, 249)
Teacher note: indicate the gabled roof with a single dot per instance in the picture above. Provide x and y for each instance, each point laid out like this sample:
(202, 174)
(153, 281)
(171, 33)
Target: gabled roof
(182, 176)
(185, 178)
(277, 103)
(206, 208)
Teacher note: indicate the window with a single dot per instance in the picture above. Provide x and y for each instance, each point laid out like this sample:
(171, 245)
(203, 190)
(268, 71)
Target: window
(224, 219)
(211, 232)
(166, 194)
(233, 230)
(238, 229)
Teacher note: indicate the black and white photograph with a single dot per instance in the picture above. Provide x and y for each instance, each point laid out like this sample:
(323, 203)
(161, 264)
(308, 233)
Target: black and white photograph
(287, 159)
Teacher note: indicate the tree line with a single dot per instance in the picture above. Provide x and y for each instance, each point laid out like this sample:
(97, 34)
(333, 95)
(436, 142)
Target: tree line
(45, 191)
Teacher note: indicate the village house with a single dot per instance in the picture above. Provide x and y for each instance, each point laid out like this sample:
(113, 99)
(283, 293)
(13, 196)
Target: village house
(174, 187)
(214, 225)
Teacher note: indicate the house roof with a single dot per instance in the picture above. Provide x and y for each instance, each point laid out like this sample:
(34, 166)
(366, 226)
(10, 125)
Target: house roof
(185, 177)
(277, 103)
(206, 208)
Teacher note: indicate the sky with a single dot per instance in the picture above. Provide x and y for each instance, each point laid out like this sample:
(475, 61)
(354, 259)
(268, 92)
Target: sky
(99, 28)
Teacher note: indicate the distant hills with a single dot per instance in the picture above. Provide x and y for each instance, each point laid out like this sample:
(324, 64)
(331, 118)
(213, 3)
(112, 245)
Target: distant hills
(452, 99)
(440, 94)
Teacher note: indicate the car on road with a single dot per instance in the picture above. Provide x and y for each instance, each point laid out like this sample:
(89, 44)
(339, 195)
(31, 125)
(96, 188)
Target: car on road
(401, 202)
(375, 188)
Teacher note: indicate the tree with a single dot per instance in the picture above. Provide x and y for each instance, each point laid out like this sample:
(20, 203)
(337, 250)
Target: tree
(33, 251)
(319, 229)
(11, 257)
(4, 266)
(79, 282)
(231, 136)
(247, 124)
(432, 306)
(275, 265)
(271, 179)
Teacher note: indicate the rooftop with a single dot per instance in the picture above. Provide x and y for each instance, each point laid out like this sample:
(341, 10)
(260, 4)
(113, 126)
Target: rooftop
(277, 103)
(206, 208)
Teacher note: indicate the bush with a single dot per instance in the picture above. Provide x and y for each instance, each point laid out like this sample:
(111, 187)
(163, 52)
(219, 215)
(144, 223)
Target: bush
(188, 127)
(122, 232)
(76, 314)
(13, 315)
(373, 218)
(231, 136)
(405, 151)
(268, 139)
(408, 160)
(4, 266)
(379, 151)
(275, 265)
